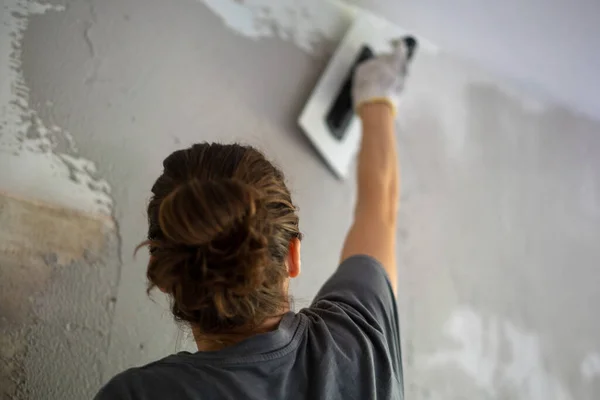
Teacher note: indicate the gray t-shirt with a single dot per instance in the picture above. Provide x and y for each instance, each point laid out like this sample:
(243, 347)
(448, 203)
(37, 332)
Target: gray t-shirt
(346, 345)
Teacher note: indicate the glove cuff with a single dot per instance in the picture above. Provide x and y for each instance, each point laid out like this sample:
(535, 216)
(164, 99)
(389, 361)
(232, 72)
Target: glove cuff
(384, 100)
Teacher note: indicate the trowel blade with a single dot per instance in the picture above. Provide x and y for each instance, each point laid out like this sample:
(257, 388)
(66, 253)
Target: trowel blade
(328, 118)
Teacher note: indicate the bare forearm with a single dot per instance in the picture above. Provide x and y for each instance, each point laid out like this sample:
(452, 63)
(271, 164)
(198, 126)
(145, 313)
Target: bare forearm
(373, 231)
(376, 89)
(378, 175)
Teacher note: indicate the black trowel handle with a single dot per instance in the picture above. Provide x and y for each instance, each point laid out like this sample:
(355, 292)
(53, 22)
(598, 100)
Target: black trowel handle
(340, 114)
(411, 46)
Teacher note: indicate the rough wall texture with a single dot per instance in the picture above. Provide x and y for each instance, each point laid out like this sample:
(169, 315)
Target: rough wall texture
(499, 217)
(56, 299)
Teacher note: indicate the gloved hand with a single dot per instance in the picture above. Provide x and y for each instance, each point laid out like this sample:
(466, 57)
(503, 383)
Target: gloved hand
(381, 79)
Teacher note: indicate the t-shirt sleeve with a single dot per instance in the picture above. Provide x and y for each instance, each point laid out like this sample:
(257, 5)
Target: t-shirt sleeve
(361, 284)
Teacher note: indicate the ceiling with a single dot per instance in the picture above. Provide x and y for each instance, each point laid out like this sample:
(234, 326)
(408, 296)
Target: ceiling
(551, 46)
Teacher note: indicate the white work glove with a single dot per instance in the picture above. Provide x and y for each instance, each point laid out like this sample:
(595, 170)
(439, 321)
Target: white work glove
(381, 79)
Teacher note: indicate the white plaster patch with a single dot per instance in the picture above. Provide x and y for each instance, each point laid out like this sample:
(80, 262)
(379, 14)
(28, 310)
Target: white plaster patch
(39, 8)
(304, 22)
(590, 366)
(479, 355)
(38, 170)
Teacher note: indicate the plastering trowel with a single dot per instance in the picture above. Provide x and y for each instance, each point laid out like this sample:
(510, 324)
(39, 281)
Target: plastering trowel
(328, 118)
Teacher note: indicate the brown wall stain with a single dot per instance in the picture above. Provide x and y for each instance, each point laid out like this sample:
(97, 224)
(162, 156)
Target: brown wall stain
(35, 239)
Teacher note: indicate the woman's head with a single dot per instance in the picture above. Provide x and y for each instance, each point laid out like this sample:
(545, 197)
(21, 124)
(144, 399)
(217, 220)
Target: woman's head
(223, 237)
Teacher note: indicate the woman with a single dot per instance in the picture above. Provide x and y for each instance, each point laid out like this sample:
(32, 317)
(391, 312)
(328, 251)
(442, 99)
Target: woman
(224, 243)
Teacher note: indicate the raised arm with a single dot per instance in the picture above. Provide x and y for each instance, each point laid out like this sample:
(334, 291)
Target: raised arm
(377, 85)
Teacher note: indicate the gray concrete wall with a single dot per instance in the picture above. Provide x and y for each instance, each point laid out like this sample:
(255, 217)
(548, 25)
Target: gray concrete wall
(500, 213)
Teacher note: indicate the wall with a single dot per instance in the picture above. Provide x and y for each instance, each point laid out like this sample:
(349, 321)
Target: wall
(500, 209)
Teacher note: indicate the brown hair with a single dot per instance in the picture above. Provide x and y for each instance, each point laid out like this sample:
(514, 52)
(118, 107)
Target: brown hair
(220, 222)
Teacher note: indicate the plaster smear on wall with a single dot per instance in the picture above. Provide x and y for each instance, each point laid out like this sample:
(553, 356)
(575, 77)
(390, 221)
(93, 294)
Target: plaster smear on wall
(305, 23)
(502, 360)
(43, 160)
(590, 366)
(54, 212)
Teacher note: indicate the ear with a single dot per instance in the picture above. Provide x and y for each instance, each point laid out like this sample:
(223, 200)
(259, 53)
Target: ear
(293, 258)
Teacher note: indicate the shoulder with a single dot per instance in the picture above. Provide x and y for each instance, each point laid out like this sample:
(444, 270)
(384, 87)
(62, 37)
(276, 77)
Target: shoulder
(358, 296)
(124, 386)
(360, 270)
(361, 283)
(144, 383)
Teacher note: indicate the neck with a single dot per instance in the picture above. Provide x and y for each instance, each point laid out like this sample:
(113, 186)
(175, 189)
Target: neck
(219, 341)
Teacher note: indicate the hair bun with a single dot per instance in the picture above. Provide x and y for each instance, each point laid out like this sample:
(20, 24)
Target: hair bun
(216, 235)
(196, 213)
(220, 223)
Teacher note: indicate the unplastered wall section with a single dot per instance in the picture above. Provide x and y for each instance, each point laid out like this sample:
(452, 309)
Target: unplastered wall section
(58, 239)
(499, 211)
(100, 70)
